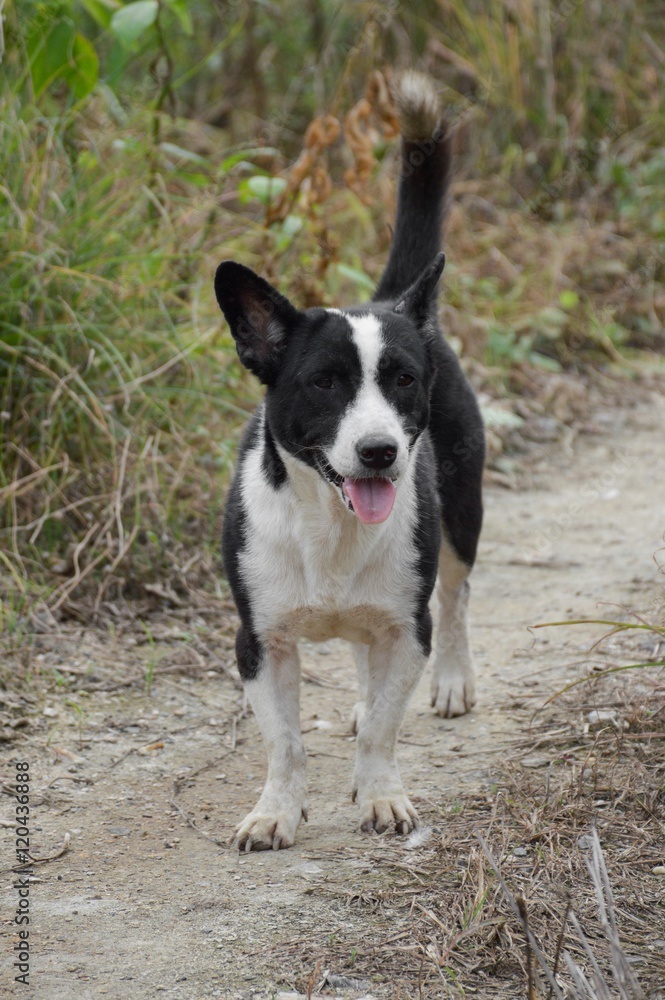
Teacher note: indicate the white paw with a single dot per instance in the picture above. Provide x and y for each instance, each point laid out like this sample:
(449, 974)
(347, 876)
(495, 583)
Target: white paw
(269, 826)
(381, 814)
(357, 716)
(453, 694)
(381, 798)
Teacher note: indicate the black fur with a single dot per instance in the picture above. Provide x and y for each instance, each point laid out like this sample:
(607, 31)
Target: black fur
(308, 356)
(233, 539)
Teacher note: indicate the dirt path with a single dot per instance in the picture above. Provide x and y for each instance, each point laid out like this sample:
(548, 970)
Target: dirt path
(141, 905)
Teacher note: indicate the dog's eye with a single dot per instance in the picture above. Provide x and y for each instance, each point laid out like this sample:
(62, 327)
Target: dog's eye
(405, 379)
(323, 382)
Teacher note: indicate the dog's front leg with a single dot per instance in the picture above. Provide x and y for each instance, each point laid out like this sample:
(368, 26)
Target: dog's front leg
(395, 665)
(274, 694)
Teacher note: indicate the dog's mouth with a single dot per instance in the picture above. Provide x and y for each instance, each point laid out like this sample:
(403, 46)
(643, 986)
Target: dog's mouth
(370, 499)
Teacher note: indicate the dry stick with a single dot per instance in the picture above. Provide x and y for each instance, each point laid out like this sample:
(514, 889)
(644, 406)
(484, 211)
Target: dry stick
(530, 986)
(66, 589)
(139, 678)
(58, 854)
(179, 782)
(514, 907)
(79, 574)
(559, 943)
(118, 491)
(15, 549)
(97, 417)
(39, 522)
(200, 645)
(467, 932)
(190, 822)
(312, 979)
(41, 861)
(177, 786)
(118, 559)
(122, 757)
(18, 486)
(600, 990)
(605, 898)
(581, 982)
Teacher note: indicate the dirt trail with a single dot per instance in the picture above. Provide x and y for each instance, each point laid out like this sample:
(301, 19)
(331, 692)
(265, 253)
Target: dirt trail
(143, 906)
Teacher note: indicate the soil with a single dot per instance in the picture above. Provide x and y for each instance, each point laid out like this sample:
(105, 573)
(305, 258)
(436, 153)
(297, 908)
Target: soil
(149, 898)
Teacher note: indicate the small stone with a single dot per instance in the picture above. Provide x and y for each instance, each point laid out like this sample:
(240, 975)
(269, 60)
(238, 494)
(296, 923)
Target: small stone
(598, 717)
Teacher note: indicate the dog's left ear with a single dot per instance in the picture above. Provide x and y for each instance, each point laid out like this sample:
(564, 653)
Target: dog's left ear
(417, 300)
(259, 317)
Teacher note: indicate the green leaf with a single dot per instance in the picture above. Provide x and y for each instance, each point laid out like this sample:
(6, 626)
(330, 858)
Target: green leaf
(495, 417)
(100, 12)
(545, 362)
(180, 153)
(48, 54)
(286, 232)
(551, 319)
(359, 277)
(266, 189)
(63, 54)
(244, 154)
(129, 23)
(181, 10)
(83, 72)
(568, 299)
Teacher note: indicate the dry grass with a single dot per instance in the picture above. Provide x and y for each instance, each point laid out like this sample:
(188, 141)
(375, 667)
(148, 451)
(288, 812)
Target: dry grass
(510, 894)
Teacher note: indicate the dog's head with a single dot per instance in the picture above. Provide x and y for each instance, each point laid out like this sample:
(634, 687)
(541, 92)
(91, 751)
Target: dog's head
(348, 391)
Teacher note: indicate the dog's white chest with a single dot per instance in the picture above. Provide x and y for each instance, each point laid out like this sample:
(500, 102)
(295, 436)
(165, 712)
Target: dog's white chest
(314, 570)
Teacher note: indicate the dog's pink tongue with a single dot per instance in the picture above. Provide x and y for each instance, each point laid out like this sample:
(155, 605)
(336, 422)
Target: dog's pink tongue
(372, 499)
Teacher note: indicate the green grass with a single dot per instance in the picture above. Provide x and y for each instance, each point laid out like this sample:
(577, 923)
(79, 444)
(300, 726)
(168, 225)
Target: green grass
(121, 396)
(116, 381)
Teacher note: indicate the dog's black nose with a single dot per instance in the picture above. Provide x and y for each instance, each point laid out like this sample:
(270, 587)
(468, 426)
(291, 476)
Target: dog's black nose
(377, 453)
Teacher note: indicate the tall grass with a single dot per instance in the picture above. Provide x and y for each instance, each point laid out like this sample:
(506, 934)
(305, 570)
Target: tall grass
(120, 392)
(114, 376)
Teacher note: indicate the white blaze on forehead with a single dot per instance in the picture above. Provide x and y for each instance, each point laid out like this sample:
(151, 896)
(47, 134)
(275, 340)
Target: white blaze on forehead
(368, 339)
(370, 414)
(366, 335)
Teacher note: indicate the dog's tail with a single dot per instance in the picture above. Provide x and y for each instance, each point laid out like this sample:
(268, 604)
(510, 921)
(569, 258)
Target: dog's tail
(423, 186)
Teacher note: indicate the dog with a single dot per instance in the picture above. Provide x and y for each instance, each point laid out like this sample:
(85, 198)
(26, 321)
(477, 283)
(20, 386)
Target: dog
(358, 483)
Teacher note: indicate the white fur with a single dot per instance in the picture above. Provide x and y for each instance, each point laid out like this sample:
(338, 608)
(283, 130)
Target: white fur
(370, 414)
(314, 570)
(275, 697)
(453, 678)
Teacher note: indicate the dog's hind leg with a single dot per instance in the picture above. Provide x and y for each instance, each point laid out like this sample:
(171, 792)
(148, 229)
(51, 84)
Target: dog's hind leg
(274, 693)
(395, 664)
(361, 657)
(453, 679)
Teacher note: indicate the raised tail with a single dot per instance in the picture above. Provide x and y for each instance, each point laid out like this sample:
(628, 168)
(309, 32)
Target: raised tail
(423, 186)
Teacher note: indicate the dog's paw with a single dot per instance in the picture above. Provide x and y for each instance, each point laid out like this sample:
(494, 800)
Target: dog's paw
(357, 716)
(263, 830)
(381, 814)
(453, 695)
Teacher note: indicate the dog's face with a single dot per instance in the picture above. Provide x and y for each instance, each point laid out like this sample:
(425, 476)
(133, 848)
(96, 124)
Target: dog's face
(348, 391)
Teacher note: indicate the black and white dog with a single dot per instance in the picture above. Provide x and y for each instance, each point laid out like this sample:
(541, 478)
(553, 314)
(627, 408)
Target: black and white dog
(358, 481)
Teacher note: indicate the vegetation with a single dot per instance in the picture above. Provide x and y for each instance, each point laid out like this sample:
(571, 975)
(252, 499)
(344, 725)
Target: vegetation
(142, 142)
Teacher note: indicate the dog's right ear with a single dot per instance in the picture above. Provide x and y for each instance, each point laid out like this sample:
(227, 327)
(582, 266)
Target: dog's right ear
(258, 315)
